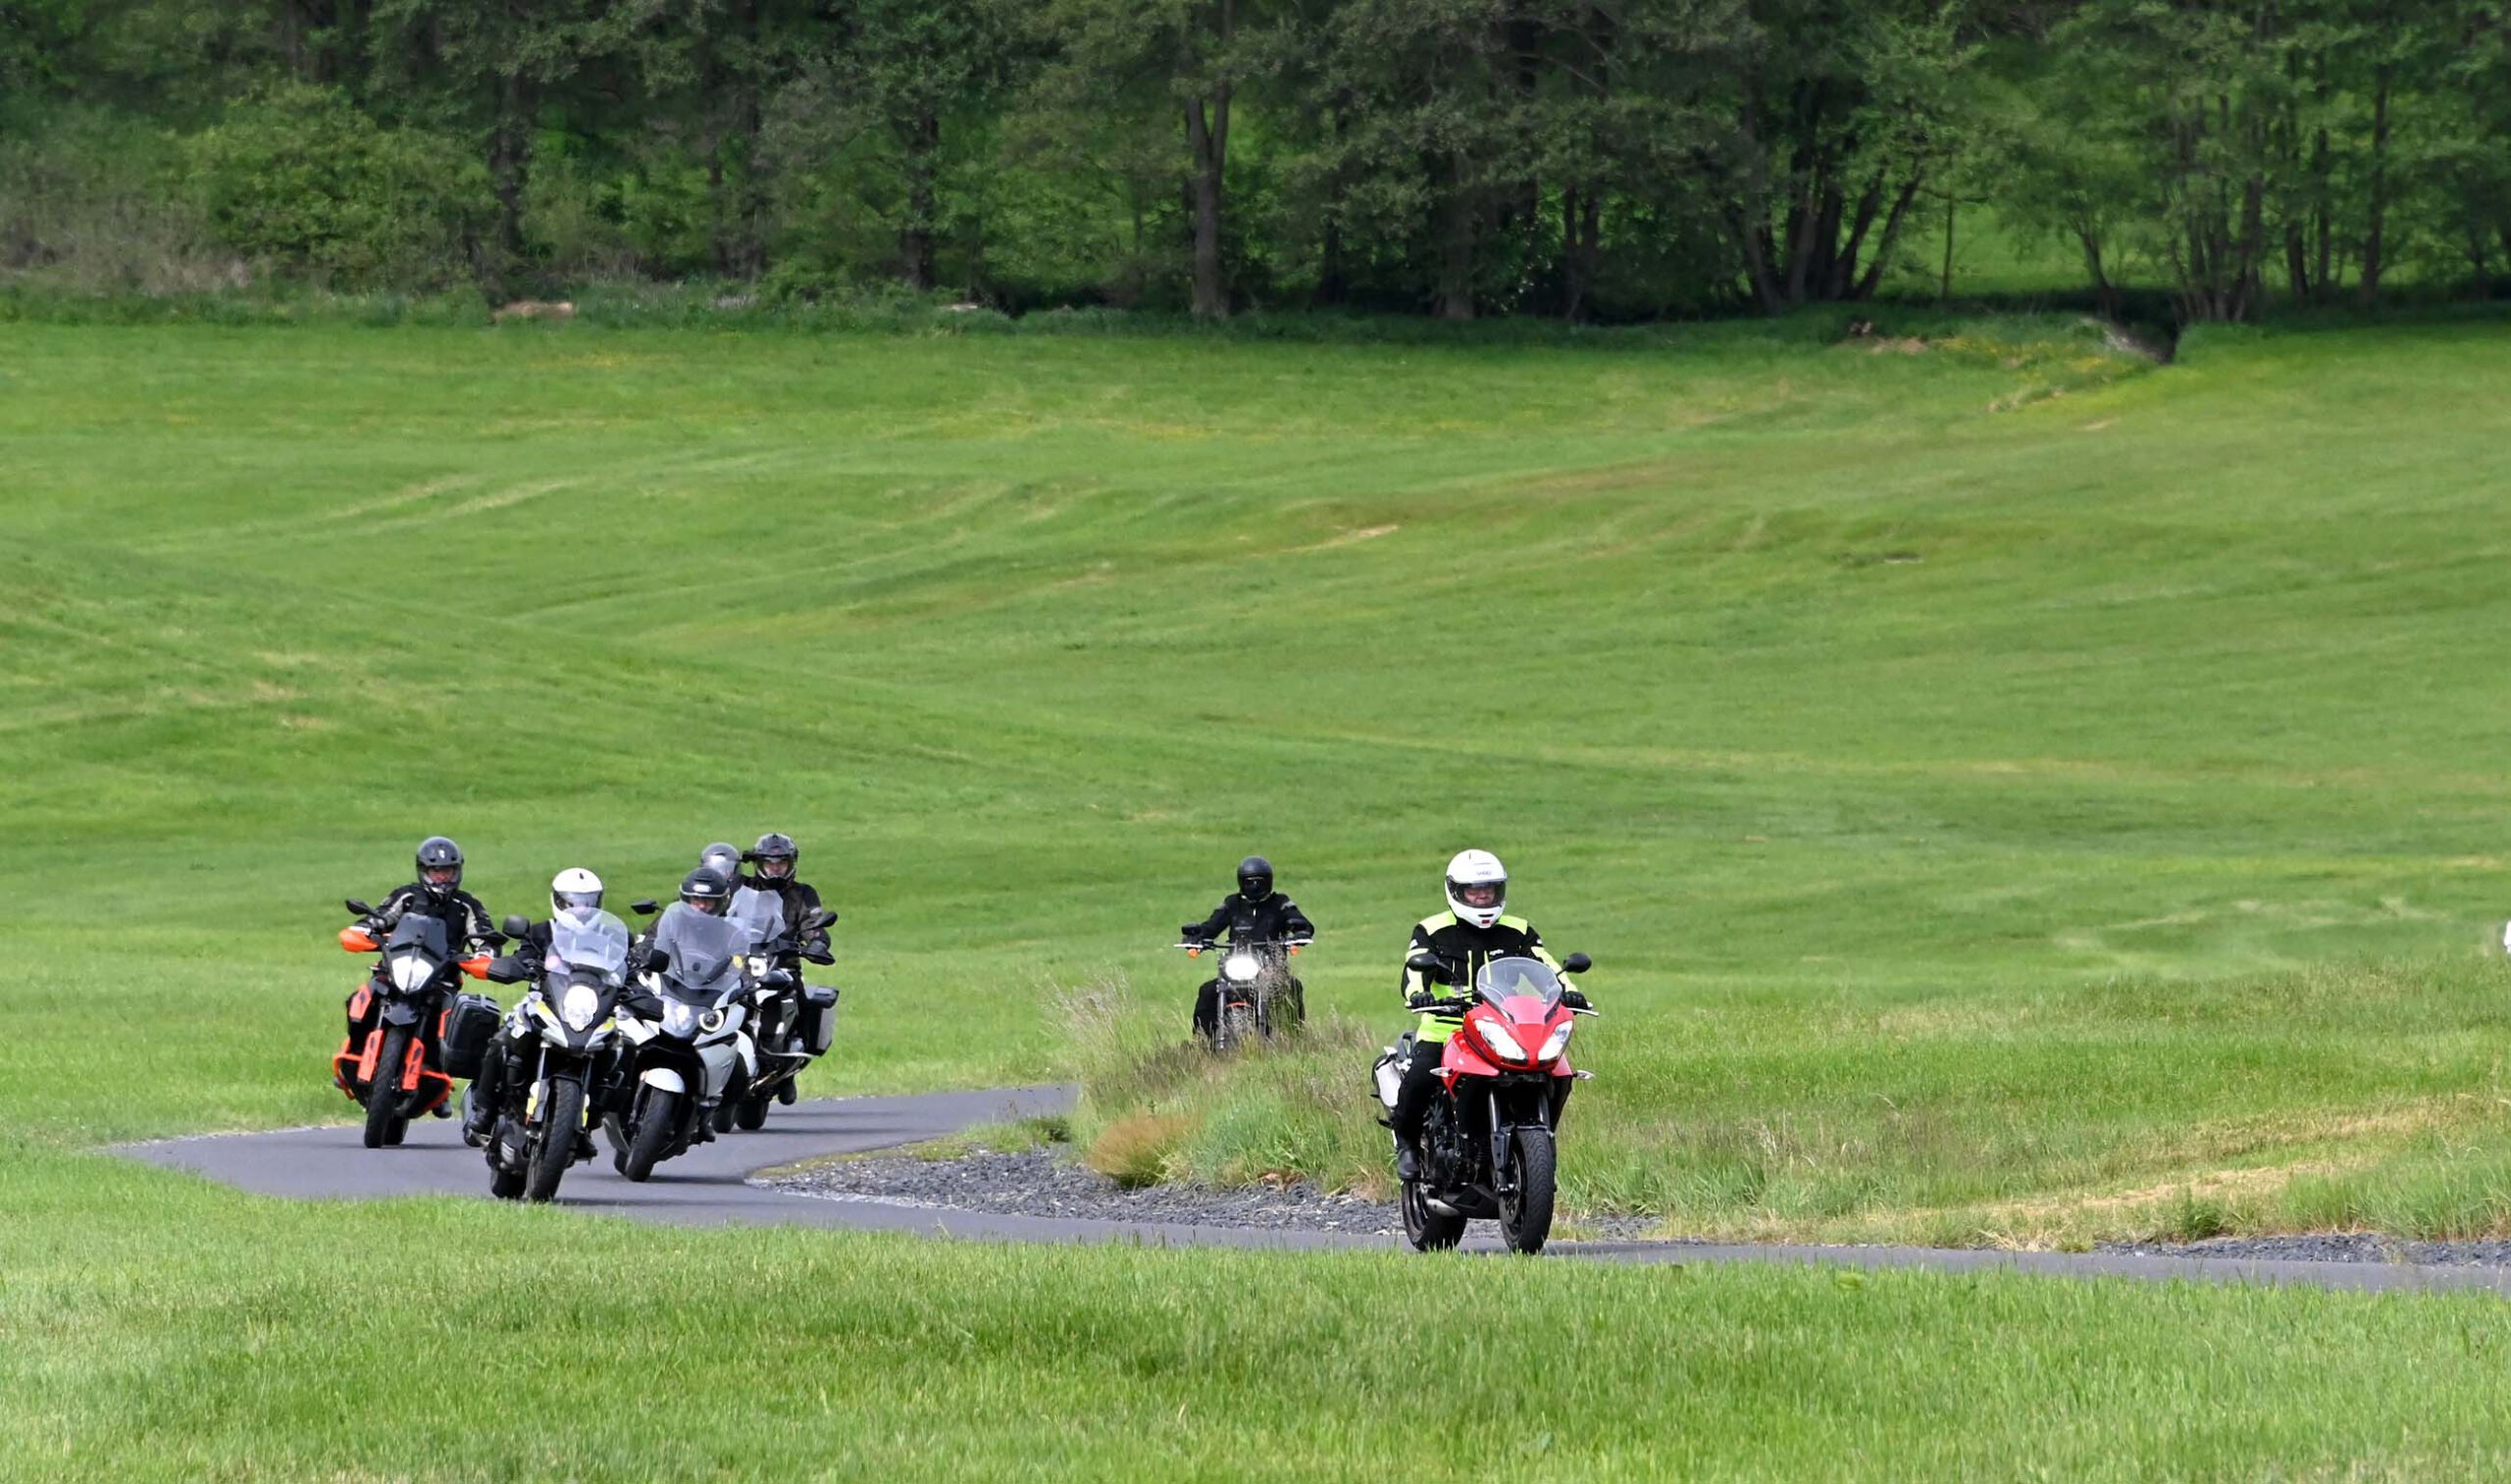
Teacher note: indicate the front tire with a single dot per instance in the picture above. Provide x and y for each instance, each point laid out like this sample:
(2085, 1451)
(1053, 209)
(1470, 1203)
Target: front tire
(1525, 1213)
(561, 1119)
(653, 1134)
(751, 1115)
(384, 1094)
(1427, 1230)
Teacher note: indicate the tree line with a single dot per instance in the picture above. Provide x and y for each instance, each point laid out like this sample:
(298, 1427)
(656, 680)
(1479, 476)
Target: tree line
(1584, 158)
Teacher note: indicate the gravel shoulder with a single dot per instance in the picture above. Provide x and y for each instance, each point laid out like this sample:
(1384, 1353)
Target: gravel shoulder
(2327, 1247)
(1040, 1182)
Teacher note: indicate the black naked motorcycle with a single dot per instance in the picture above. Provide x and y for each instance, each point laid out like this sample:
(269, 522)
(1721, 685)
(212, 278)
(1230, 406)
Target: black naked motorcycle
(1258, 998)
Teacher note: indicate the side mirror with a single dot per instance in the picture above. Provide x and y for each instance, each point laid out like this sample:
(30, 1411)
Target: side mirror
(495, 940)
(1430, 966)
(820, 955)
(820, 917)
(645, 905)
(1578, 963)
(358, 908)
(657, 959)
(515, 926)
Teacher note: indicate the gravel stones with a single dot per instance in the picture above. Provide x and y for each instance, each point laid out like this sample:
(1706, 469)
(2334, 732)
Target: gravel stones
(2327, 1247)
(1038, 1183)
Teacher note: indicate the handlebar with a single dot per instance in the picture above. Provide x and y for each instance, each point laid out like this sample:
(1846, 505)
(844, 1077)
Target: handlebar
(1195, 945)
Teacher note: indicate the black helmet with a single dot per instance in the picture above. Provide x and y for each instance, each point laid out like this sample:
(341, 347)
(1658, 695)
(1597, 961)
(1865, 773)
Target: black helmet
(439, 865)
(706, 892)
(1255, 878)
(774, 855)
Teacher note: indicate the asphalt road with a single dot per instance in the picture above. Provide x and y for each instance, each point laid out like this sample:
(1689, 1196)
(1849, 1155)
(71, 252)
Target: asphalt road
(708, 1186)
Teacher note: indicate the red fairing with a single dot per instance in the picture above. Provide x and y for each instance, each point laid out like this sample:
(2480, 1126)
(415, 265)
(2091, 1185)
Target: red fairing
(1472, 1052)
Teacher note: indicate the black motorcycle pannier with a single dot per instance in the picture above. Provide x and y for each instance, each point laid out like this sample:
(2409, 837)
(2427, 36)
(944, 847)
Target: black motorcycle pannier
(467, 1028)
(819, 1018)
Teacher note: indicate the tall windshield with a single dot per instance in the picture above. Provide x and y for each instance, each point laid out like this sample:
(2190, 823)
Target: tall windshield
(1506, 979)
(590, 943)
(417, 930)
(760, 915)
(702, 949)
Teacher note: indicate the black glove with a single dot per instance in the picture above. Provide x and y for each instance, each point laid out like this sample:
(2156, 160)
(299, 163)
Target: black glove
(1420, 999)
(1190, 931)
(1575, 1000)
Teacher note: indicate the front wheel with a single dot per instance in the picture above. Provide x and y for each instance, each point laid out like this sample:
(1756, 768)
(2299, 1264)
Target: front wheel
(561, 1116)
(723, 1116)
(1525, 1211)
(653, 1134)
(1427, 1230)
(384, 1094)
(751, 1114)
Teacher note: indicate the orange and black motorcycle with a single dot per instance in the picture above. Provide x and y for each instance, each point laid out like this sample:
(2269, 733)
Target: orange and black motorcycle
(395, 1016)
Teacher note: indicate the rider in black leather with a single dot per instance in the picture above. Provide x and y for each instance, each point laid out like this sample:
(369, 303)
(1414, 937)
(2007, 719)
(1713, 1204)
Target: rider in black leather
(1253, 913)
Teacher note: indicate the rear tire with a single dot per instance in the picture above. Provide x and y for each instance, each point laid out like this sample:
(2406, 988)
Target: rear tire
(561, 1118)
(751, 1115)
(384, 1094)
(1525, 1216)
(653, 1134)
(1427, 1230)
(785, 1093)
(395, 1132)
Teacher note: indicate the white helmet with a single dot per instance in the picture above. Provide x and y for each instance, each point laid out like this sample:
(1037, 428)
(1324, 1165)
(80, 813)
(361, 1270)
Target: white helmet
(574, 890)
(1477, 886)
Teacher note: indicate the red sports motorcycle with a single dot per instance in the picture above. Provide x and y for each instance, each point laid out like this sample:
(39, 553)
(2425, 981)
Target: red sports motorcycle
(1486, 1149)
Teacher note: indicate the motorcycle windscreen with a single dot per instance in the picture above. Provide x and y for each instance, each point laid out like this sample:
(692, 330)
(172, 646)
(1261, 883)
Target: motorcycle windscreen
(702, 949)
(760, 915)
(419, 931)
(1504, 979)
(589, 941)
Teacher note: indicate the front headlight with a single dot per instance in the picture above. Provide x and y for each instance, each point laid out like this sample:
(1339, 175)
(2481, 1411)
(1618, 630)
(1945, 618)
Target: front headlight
(411, 973)
(580, 1006)
(1557, 1042)
(1239, 968)
(679, 1019)
(711, 1022)
(1497, 1036)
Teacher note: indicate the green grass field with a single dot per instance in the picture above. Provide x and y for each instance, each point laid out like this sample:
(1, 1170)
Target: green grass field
(2014, 794)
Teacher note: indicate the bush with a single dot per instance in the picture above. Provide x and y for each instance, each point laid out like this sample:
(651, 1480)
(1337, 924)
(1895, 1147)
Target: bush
(300, 178)
(85, 211)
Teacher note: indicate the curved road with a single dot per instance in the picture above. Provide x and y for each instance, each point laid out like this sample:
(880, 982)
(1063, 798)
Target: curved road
(709, 1186)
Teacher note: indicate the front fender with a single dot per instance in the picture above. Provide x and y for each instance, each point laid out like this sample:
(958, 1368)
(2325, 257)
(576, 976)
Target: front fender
(665, 1078)
(402, 1012)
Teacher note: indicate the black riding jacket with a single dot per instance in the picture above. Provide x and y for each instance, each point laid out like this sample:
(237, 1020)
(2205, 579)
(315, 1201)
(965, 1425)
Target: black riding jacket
(1270, 920)
(1466, 948)
(799, 901)
(465, 920)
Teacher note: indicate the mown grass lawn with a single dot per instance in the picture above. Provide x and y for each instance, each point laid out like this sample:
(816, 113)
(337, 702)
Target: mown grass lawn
(2013, 794)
